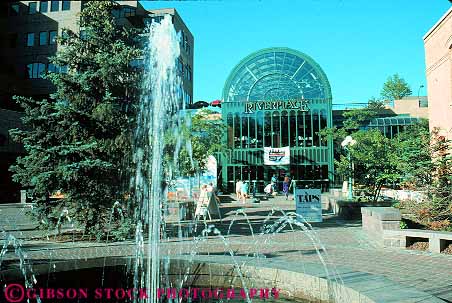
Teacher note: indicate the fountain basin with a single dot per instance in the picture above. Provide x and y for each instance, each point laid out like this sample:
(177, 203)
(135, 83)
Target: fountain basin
(298, 282)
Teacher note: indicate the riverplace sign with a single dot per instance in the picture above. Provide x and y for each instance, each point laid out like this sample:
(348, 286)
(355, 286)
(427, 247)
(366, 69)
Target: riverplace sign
(251, 107)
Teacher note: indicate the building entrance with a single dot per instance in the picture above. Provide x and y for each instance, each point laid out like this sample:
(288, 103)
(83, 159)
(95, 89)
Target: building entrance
(276, 98)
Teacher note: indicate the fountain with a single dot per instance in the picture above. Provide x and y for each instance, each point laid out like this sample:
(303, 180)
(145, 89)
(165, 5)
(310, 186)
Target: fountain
(158, 109)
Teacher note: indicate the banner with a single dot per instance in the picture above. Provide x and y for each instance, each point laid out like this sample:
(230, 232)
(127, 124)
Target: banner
(276, 156)
(309, 204)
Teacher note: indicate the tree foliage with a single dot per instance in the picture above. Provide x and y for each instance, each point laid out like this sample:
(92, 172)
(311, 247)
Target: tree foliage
(201, 137)
(395, 88)
(426, 160)
(78, 141)
(373, 161)
(413, 155)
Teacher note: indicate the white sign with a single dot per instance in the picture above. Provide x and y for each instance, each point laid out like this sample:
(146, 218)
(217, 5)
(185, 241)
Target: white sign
(277, 156)
(309, 204)
(210, 175)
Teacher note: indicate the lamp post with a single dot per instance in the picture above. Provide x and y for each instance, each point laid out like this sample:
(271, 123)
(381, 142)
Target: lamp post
(418, 94)
(349, 141)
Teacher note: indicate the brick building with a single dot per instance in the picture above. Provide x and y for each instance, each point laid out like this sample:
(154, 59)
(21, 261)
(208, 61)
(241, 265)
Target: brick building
(27, 39)
(438, 61)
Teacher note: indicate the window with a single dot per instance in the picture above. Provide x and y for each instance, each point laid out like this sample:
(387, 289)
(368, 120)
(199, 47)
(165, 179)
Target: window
(190, 75)
(32, 8)
(182, 38)
(54, 6)
(180, 66)
(186, 44)
(43, 38)
(52, 37)
(30, 39)
(52, 68)
(128, 12)
(157, 19)
(188, 48)
(36, 70)
(14, 10)
(66, 6)
(43, 6)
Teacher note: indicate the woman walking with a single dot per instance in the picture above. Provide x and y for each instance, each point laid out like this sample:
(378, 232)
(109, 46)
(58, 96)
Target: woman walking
(286, 184)
(245, 189)
(238, 189)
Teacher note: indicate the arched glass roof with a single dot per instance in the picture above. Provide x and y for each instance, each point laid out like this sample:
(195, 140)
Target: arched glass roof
(276, 74)
(397, 120)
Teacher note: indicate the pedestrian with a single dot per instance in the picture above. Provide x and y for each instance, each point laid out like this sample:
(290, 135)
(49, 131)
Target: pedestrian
(238, 189)
(268, 189)
(286, 184)
(245, 188)
(274, 180)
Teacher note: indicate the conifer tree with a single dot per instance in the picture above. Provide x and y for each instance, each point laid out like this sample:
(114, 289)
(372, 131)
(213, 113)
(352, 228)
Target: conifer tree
(78, 140)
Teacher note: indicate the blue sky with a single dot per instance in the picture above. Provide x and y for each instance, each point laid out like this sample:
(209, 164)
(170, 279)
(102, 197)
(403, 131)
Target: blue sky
(358, 43)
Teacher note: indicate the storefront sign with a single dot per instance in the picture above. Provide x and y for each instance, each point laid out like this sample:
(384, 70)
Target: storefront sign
(251, 107)
(309, 204)
(277, 156)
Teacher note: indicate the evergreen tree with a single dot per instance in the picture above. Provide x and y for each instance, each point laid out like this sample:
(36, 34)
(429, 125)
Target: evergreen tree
(78, 141)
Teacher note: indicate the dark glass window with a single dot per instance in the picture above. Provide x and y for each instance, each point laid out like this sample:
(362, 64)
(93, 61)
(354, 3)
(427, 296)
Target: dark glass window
(30, 39)
(43, 6)
(260, 129)
(41, 70)
(128, 12)
(52, 37)
(43, 38)
(32, 8)
(52, 68)
(157, 19)
(14, 10)
(237, 131)
(36, 70)
(188, 48)
(285, 129)
(54, 6)
(66, 6)
(186, 45)
(189, 73)
(180, 66)
(182, 37)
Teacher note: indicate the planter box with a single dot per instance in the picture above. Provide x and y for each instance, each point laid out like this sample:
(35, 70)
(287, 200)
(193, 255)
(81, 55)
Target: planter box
(352, 210)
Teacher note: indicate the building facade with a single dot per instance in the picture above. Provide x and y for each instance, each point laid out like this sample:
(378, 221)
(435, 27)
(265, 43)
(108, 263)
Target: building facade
(185, 62)
(415, 106)
(275, 98)
(438, 61)
(28, 31)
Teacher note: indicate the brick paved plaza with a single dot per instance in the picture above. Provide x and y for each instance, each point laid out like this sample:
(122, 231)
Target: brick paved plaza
(348, 250)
